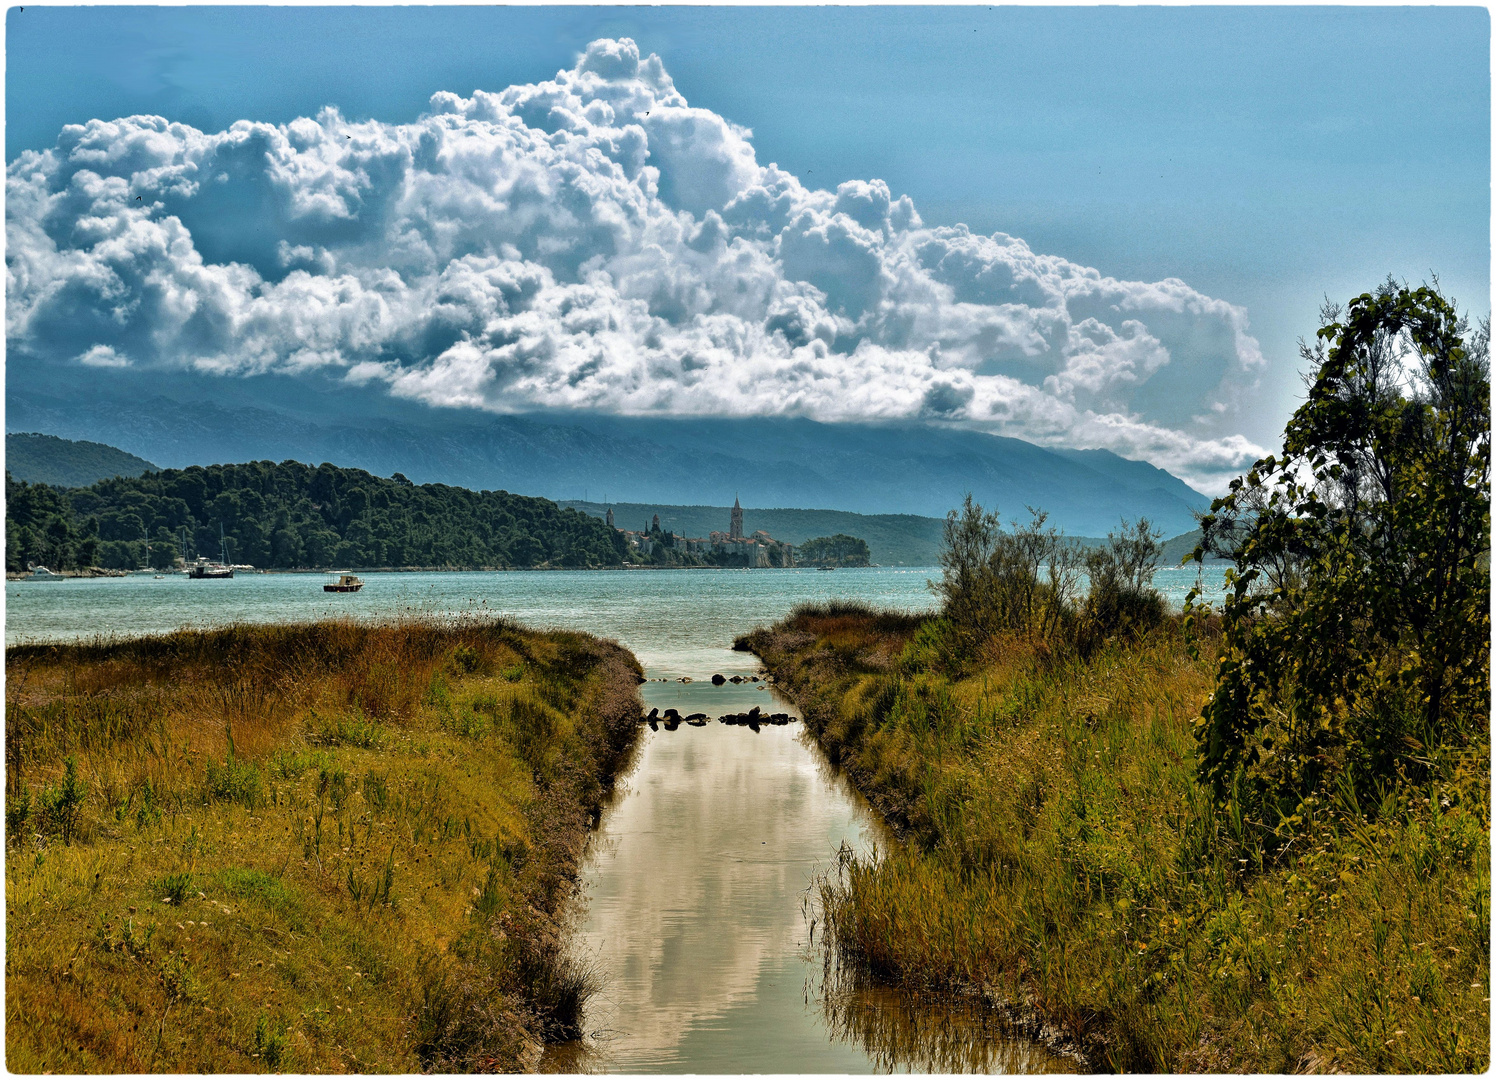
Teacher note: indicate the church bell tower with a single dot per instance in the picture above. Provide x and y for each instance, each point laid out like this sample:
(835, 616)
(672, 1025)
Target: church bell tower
(735, 530)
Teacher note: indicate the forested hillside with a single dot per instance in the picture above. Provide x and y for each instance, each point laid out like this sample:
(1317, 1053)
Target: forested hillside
(293, 515)
(46, 459)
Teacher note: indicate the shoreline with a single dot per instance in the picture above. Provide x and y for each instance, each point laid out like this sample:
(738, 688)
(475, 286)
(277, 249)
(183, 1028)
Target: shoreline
(76, 575)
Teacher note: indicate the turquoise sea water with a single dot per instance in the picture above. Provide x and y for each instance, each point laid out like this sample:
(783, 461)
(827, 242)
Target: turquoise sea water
(668, 617)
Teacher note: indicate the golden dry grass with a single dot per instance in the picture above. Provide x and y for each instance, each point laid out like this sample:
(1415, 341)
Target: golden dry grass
(327, 847)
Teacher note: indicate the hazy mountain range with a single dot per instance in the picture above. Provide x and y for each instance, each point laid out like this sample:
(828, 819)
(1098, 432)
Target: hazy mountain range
(862, 468)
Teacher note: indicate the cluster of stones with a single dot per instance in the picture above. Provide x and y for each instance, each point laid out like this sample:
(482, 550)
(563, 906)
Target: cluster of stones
(718, 680)
(753, 718)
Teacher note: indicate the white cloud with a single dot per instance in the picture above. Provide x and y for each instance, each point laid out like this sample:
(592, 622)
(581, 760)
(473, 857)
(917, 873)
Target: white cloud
(103, 356)
(594, 242)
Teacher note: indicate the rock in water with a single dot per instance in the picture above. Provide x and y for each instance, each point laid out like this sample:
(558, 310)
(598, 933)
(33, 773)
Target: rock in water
(718, 680)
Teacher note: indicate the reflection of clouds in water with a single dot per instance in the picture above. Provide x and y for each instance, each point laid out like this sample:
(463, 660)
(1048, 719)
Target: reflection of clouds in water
(695, 887)
(905, 1032)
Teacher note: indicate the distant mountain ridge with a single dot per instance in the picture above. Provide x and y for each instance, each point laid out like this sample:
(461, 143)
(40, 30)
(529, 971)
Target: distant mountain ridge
(859, 468)
(46, 459)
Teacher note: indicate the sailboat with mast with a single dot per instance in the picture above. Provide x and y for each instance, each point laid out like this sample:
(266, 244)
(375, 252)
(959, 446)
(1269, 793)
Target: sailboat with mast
(202, 568)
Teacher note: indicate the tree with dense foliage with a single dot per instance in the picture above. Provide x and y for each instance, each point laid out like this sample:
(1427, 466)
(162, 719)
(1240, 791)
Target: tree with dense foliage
(837, 550)
(294, 515)
(1357, 617)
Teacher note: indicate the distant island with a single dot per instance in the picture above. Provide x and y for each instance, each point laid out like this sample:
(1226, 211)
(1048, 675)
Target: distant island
(295, 516)
(653, 546)
(892, 539)
(838, 550)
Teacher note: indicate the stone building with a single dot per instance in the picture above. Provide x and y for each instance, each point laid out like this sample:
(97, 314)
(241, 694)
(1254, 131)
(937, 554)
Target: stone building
(730, 548)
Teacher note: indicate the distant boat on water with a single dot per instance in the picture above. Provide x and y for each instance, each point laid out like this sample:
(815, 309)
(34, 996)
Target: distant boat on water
(41, 573)
(202, 568)
(345, 583)
(205, 569)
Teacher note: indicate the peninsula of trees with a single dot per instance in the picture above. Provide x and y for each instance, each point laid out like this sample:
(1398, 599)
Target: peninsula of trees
(291, 515)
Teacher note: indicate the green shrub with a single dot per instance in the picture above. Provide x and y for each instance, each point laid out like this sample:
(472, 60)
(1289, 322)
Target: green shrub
(269, 1043)
(174, 888)
(248, 884)
(357, 730)
(236, 781)
(17, 814)
(61, 805)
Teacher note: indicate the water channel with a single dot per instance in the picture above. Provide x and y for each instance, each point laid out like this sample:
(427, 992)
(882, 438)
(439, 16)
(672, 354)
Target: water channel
(694, 886)
(695, 914)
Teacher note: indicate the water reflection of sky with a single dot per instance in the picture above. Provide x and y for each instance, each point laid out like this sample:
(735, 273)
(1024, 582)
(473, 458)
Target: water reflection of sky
(694, 892)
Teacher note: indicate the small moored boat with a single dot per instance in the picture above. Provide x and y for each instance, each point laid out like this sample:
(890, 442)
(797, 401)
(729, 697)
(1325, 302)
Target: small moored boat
(202, 570)
(345, 583)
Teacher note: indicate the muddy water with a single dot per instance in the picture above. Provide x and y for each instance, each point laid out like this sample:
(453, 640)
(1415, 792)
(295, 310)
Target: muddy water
(695, 891)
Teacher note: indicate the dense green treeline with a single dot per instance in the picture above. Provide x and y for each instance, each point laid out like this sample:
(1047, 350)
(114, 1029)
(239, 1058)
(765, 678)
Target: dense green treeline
(293, 515)
(838, 550)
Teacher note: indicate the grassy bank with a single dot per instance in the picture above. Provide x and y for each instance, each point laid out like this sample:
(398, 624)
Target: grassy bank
(325, 847)
(1061, 857)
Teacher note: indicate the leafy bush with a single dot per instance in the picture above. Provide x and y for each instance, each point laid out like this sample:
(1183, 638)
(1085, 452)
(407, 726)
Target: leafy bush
(60, 806)
(992, 580)
(1122, 598)
(1357, 625)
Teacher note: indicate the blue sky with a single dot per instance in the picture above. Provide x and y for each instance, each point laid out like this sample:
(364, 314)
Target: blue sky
(1266, 156)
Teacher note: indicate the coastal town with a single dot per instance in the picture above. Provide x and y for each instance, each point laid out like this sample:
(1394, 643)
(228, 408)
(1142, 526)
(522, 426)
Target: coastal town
(659, 547)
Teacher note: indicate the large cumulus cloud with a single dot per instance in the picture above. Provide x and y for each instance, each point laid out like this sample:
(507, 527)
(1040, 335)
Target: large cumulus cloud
(594, 242)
